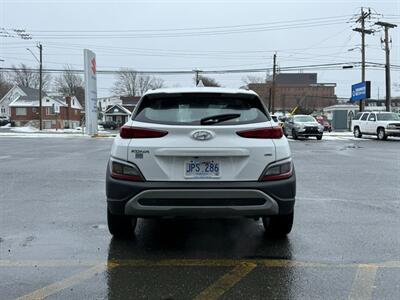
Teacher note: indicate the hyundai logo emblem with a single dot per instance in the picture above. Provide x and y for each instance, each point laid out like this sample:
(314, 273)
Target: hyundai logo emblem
(202, 135)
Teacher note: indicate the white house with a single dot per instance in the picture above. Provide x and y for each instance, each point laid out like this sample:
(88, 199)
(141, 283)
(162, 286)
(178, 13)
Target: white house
(104, 103)
(13, 94)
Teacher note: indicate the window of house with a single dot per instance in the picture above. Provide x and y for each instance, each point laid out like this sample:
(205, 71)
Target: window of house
(49, 110)
(3, 110)
(20, 111)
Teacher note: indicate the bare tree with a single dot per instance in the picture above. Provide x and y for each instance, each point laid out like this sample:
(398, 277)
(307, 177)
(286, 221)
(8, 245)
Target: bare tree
(68, 83)
(253, 79)
(130, 83)
(5, 85)
(157, 83)
(24, 76)
(208, 81)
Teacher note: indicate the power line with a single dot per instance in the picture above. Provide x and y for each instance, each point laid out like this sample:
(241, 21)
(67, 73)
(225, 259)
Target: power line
(191, 33)
(333, 66)
(200, 28)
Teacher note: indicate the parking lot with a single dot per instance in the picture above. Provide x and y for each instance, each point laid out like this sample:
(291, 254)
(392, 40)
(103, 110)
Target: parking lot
(54, 240)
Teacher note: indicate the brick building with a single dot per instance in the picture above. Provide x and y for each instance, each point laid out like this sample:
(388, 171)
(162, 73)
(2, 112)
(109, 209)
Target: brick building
(57, 112)
(297, 89)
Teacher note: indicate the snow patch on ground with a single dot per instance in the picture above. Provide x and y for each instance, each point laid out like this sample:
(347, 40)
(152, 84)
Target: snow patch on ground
(25, 129)
(6, 126)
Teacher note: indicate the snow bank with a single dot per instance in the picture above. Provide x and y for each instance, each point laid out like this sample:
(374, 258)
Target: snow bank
(25, 129)
(6, 126)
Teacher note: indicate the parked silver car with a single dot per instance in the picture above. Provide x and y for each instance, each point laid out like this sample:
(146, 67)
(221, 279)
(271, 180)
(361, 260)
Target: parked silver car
(303, 126)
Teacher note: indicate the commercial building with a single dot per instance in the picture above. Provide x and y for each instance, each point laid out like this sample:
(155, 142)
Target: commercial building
(300, 90)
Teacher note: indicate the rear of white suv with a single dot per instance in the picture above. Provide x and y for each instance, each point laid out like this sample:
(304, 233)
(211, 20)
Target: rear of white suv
(200, 152)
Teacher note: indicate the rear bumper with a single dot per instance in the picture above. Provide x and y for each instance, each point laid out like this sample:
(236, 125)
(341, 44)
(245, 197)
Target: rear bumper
(203, 199)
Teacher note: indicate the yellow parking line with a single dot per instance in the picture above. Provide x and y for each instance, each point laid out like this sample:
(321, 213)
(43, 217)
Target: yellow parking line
(389, 264)
(65, 283)
(226, 282)
(363, 283)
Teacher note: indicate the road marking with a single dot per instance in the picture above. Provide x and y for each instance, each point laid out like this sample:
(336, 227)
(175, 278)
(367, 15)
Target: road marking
(226, 282)
(65, 283)
(363, 284)
(47, 263)
(283, 263)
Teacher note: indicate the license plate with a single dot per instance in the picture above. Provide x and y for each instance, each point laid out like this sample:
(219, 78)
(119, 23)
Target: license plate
(202, 169)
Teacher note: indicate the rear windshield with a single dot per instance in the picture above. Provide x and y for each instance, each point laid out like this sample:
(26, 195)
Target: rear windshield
(189, 109)
(388, 117)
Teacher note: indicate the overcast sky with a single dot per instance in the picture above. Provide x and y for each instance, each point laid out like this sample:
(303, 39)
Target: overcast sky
(207, 35)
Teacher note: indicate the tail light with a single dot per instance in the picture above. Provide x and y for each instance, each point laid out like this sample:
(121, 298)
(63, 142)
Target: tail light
(278, 171)
(262, 133)
(128, 132)
(124, 171)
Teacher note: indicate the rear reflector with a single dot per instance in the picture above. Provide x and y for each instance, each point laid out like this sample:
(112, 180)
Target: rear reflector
(125, 172)
(278, 171)
(262, 133)
(128, 132)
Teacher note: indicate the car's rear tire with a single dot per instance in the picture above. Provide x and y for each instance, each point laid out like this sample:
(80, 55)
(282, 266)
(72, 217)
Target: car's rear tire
(121, 226)
(319, 137)
(357, 133)
(294, 134)
(381, 134)
(278, 226)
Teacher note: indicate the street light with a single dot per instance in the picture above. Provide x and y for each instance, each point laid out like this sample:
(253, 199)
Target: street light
(40, 82)
(354, 48)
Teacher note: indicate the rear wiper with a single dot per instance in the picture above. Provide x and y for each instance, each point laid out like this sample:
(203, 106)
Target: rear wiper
(218, 118)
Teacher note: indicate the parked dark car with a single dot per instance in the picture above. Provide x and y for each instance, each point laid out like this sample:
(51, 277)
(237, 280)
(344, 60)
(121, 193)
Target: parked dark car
(109, 125)
(4, 121)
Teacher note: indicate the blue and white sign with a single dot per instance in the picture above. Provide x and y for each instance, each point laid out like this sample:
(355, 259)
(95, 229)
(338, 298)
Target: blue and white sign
(360, 91)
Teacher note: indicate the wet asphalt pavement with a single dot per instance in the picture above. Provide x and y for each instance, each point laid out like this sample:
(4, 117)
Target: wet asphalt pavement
(54, 241)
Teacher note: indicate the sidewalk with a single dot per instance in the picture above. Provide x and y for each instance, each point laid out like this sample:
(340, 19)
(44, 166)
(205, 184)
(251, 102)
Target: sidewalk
(32, 132)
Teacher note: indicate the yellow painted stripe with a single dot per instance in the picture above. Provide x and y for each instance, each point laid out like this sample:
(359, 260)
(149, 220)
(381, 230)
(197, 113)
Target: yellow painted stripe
(389, 264)
(226, 282)
(363, 283)
(65, 283)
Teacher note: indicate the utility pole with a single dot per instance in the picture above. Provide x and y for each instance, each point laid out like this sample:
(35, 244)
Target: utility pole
(363, 31)
(40, 87)
(273, 86)
(388, 101)
(197, 76)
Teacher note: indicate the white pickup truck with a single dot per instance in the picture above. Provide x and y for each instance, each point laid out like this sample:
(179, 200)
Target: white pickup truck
(381, 124)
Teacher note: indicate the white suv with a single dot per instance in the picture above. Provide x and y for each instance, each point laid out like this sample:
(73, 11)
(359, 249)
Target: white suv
(200, 152)
(381, 124)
